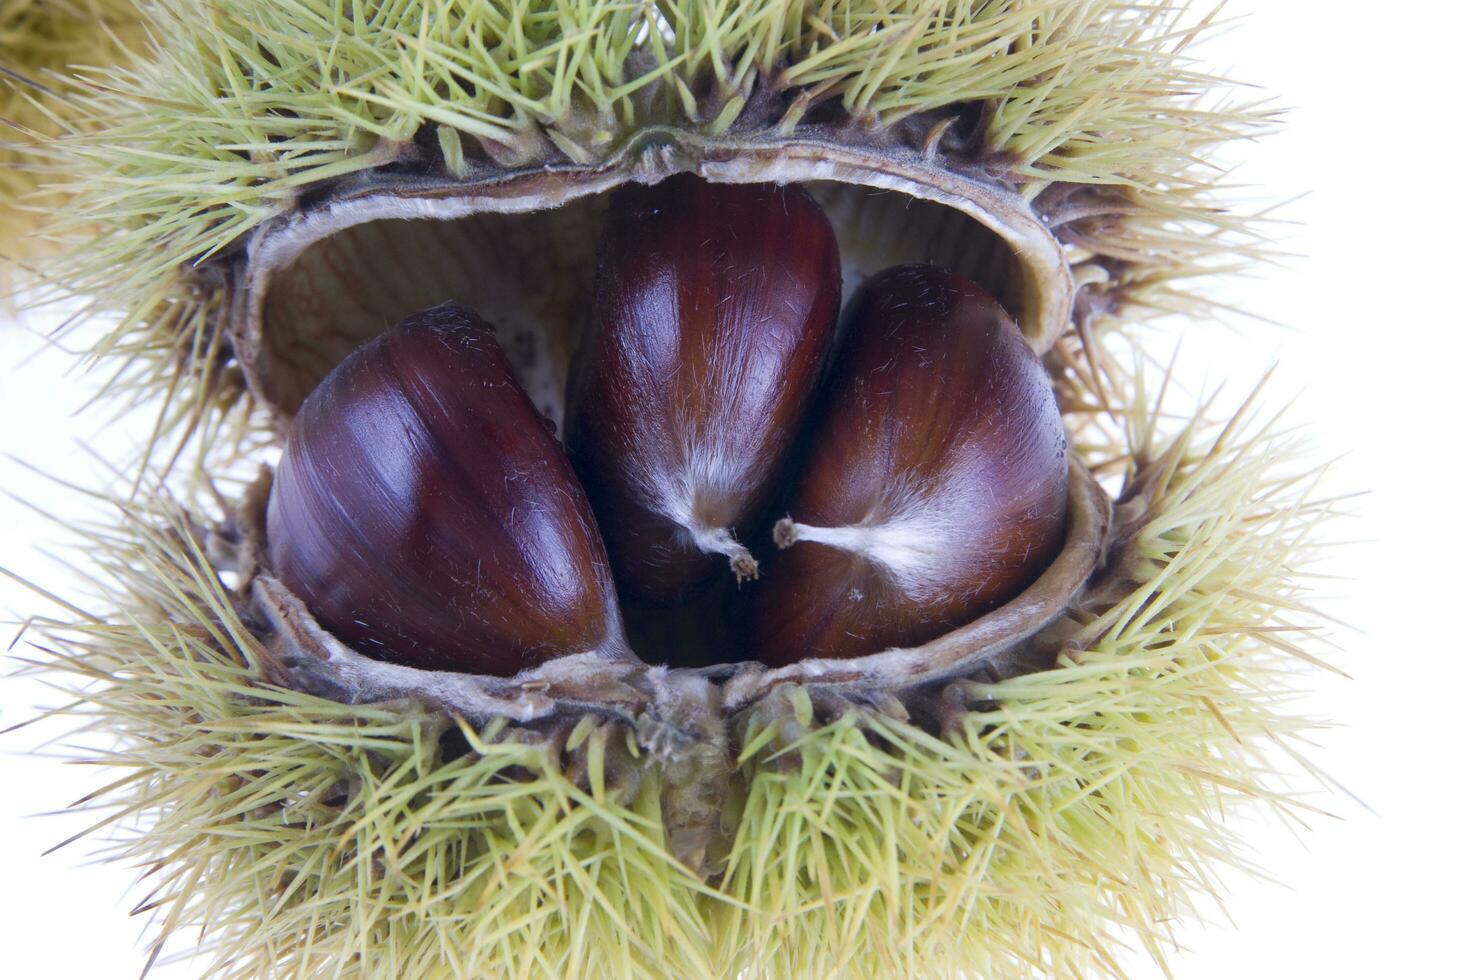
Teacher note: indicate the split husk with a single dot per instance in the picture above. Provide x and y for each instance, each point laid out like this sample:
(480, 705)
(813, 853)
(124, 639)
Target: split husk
(276, 182)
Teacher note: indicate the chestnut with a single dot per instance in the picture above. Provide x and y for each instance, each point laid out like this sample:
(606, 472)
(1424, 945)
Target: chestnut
(713, 313)
(426, 515)
(935, 486)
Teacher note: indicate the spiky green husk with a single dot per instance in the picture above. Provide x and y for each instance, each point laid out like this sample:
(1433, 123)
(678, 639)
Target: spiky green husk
(1091, 107)
(1034, 829)
(41, 43)
(1031, 827)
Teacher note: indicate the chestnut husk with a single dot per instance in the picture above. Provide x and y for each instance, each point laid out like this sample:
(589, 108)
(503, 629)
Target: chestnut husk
(1076, 139)
(714, 308)
(934, 487)
(425, 513)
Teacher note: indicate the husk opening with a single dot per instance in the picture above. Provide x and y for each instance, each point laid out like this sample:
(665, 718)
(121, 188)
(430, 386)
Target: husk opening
(235, 120)
(519, 249)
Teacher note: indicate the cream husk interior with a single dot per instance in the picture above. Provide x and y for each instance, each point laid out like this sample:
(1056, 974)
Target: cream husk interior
(521, 252)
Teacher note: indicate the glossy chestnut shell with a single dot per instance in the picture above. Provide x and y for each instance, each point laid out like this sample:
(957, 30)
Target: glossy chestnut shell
(425, 513)
(935, 486)
(712, 317)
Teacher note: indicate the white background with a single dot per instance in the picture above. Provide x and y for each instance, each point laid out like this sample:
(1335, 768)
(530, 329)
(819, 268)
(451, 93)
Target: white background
(1374, 352)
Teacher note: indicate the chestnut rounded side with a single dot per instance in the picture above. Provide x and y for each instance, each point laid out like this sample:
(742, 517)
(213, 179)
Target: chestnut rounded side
(425, 513)
(935, 487)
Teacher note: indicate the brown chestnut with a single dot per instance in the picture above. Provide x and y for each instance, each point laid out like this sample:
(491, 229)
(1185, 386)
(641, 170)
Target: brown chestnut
(426, 515)
(935, 486)
(713, 311)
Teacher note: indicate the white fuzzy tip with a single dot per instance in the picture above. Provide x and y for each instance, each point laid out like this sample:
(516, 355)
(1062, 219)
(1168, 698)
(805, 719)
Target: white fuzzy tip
(915, 551)
(720, 541)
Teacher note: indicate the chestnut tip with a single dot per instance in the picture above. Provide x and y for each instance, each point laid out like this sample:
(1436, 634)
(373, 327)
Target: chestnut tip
(721, 541)
(744, 567)
(714, 312)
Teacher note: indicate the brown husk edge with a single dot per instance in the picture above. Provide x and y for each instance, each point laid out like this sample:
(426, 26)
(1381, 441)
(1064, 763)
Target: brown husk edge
(684, 718)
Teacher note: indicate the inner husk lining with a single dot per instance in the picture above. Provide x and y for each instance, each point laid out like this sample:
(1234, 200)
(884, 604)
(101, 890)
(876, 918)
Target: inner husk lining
(521, 253)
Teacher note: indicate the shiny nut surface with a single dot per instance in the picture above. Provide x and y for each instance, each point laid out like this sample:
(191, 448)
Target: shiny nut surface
(935, 485)
(713, 313)
(426, 515)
